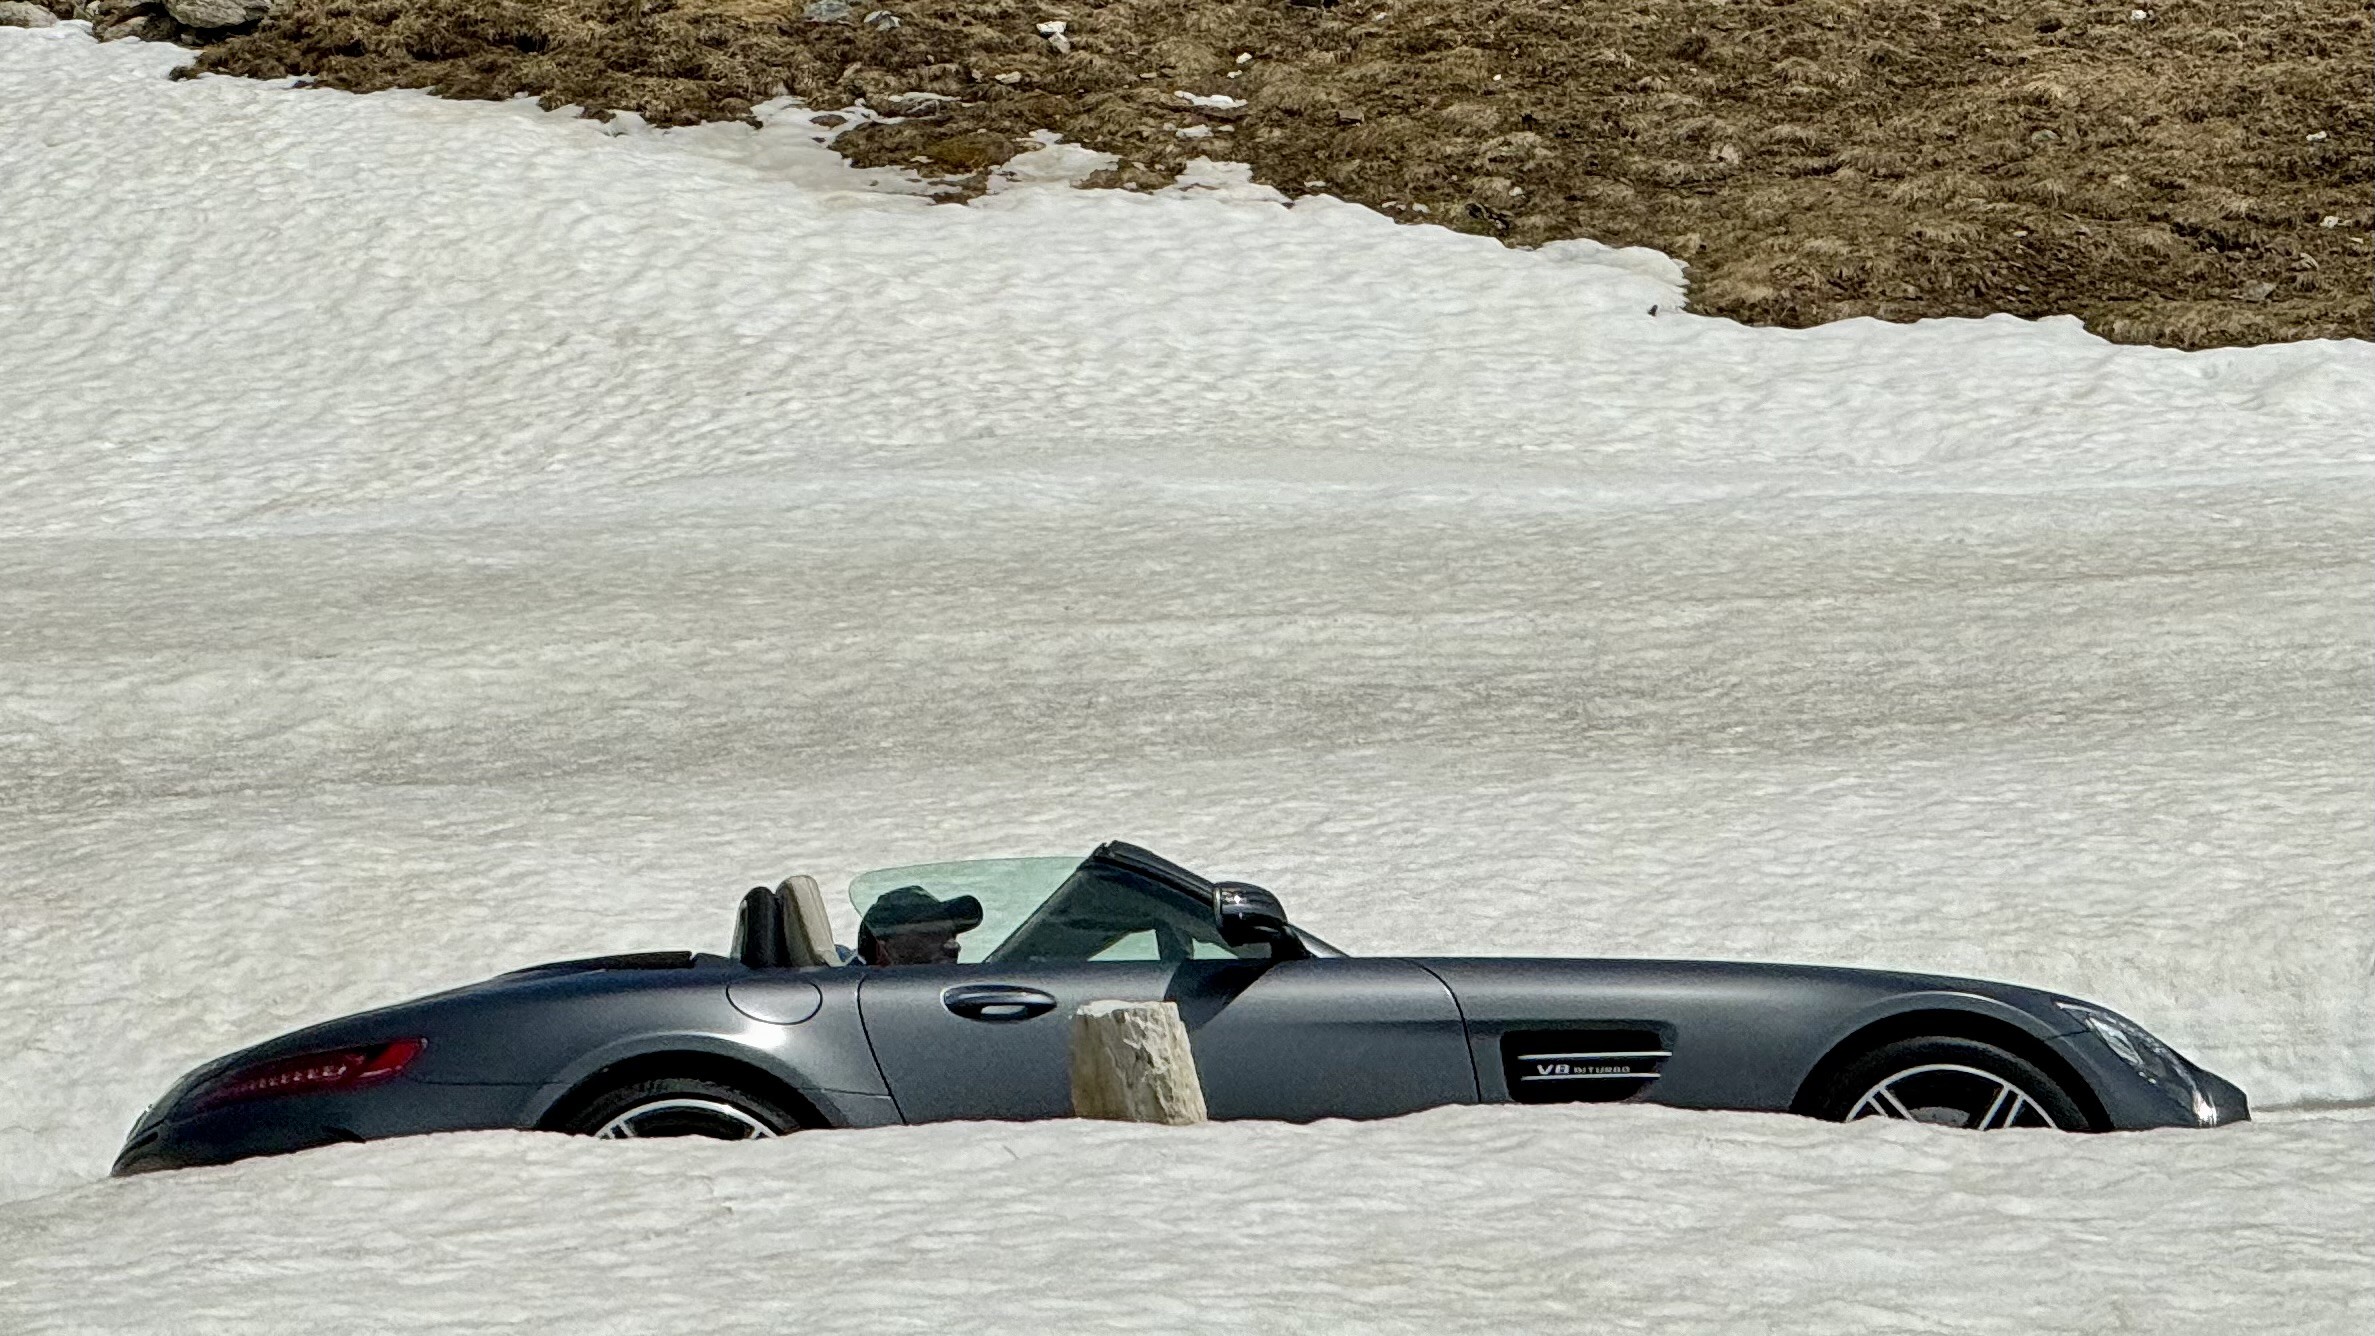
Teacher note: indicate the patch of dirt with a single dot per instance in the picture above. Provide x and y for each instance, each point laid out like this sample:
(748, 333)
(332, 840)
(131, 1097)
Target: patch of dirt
(2194, 174)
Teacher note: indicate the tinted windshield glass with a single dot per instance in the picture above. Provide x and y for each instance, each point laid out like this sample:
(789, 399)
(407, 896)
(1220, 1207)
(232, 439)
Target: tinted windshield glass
(1018, 909)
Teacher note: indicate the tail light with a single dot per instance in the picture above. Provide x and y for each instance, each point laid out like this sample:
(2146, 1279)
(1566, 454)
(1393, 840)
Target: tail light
(310, 1073)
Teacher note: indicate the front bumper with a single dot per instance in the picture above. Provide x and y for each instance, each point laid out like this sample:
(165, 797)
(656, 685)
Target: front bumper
(2132, 1104)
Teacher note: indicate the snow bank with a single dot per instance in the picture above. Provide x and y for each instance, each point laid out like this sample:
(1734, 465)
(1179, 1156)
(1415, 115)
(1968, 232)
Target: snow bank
(437, 537)
(1463, 1220)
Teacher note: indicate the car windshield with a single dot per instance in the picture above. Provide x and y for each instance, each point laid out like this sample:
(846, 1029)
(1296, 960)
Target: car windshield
(1026, 909)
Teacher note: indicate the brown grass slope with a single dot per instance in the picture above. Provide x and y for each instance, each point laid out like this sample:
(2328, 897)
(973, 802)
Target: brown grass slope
(2194, 177)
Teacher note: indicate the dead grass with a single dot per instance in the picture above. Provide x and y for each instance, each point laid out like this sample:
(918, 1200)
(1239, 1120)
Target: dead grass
(2169, 180)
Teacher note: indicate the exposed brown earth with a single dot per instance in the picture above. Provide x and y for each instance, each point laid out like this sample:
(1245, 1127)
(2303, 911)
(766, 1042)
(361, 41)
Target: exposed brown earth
(2194, 174)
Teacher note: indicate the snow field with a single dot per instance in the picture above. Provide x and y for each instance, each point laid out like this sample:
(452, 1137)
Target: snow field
(439, 537)
(1460, 1220)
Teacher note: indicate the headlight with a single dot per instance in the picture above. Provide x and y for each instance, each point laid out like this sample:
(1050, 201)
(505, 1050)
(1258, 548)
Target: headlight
(2153, 1060)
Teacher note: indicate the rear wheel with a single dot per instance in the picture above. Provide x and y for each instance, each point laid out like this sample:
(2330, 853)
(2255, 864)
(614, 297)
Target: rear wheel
(1950, 1082)
(680, 1106)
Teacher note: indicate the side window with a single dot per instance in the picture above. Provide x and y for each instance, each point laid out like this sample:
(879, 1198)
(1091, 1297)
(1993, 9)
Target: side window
(1107, 912)
(1148, 946)
(1135, 946)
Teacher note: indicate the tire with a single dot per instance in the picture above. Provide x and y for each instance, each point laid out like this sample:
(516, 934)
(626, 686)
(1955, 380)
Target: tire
(1952, 1083)
(680, 1106)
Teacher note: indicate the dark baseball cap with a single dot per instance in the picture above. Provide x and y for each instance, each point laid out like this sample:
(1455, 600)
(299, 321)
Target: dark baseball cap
(914, 909)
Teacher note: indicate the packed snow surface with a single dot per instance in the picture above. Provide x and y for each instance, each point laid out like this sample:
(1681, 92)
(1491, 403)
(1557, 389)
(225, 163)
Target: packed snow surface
(1486, 1221)
(439, 537)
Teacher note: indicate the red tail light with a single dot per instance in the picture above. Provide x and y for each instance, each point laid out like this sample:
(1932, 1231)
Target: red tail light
(311, 1073)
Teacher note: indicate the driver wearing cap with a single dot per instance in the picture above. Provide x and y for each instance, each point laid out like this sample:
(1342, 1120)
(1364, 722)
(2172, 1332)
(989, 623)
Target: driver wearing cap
(911, 926)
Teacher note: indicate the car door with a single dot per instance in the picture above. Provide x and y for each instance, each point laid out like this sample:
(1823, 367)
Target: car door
(1296, 1039)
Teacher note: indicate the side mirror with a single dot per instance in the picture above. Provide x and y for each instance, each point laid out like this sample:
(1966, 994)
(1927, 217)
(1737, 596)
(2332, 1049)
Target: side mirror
(1247, 915)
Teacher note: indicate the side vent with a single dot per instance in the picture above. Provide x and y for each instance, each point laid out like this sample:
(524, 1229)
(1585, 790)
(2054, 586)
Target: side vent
(1581, 1066)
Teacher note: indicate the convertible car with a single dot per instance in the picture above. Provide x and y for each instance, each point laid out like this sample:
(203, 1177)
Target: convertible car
(955, 1003)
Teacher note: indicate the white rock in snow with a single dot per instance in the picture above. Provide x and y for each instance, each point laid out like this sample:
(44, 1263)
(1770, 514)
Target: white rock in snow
(1132, 1062)
(22, 14)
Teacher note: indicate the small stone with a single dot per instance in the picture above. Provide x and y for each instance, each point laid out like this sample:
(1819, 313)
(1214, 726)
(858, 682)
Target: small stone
(20, 14)
(828, 11)
(140, 27)
(1052, 28)
(1010, 78)
(973, 152)
(882, 20)
(2257, 292)
(1061, 44)
(916, 104)
(831, 120)
(2043, 137)
(2330, 220)
(1245, 57)
(212, 14)
(2316, 135)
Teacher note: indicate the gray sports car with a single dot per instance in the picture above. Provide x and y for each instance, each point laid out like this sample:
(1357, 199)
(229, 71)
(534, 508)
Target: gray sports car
(955, 1004)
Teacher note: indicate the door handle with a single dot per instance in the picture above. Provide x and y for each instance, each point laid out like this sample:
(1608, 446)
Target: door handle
(996, 1002)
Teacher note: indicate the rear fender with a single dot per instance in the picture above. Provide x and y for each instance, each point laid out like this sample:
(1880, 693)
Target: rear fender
(824, 1060)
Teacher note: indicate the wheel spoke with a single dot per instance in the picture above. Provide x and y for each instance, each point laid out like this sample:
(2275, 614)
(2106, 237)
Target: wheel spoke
(1892, 1106)
(685, 1116)
(1987, 1120)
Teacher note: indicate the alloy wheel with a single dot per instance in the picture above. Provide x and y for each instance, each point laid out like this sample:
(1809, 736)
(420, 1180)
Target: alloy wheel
(685, 1116)
(1952, 1095)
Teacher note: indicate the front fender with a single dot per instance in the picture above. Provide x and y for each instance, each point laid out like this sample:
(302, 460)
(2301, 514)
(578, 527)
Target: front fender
(2029, 1020)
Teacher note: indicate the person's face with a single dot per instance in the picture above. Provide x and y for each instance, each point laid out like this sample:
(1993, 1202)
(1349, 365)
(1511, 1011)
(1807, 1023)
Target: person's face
(919, 946)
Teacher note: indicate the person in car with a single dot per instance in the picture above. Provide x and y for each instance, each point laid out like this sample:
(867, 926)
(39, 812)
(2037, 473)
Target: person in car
(911, 926)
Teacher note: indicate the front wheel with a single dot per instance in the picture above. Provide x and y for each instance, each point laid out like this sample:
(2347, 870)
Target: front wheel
(680, 1106)
(1951, 1082)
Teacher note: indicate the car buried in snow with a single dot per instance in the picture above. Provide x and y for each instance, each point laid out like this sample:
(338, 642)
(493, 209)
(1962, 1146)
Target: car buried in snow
(955, 1004)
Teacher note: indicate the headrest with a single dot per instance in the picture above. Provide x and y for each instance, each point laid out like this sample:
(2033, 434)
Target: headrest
(759, 938)
(807, 930)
